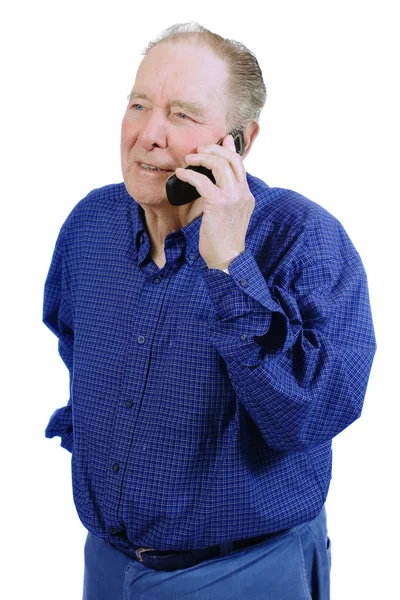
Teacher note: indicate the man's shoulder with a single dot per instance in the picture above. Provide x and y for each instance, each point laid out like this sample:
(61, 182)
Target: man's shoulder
(100, 203)
(287, 217)
(284, 206)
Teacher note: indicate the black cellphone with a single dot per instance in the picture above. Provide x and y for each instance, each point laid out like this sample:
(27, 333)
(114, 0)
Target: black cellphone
(180, 192)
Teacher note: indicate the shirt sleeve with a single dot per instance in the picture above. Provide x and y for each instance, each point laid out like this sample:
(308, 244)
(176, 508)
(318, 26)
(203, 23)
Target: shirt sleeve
(298, 340)
(57, 315)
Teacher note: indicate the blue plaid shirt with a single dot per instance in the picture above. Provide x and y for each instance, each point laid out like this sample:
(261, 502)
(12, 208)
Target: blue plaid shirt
(203, 405)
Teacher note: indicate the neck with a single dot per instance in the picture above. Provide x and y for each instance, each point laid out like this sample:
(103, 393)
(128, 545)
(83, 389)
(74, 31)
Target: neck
(162, 220)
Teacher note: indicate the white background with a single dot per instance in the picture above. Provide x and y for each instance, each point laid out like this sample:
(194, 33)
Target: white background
(330, 130)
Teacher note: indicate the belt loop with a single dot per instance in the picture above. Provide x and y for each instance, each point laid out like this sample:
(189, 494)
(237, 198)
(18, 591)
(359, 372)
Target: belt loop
(225, 548)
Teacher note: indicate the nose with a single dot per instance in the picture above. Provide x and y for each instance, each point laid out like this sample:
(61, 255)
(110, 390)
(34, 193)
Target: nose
(153, 133)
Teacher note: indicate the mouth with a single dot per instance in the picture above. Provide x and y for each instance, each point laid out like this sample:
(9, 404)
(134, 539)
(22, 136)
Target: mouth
(148, 167)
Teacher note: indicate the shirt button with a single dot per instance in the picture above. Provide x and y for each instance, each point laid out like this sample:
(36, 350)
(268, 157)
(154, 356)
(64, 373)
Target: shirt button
(115, 467)
(243, 337)
(113, 531)
(156, 279)
(243, 282)
(141, 339)
(129, 403)
(191, 256)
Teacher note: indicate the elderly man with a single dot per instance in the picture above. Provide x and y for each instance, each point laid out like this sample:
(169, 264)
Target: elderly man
(215, 346)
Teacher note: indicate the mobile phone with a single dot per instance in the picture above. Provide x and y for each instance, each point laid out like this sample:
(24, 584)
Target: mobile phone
(181, 192)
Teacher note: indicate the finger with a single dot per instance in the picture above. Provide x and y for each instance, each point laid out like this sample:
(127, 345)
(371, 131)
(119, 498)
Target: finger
(229, 143)
(221, 168)
(201, 182)
(227, 151)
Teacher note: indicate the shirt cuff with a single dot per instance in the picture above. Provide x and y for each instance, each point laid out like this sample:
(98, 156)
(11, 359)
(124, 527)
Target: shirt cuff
(241, 291)
(244, 308)
(60, 424)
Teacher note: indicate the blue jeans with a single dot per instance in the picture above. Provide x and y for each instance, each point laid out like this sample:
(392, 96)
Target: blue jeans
(294, 565)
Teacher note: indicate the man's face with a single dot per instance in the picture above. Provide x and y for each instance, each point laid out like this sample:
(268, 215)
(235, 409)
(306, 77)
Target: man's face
(178, 102)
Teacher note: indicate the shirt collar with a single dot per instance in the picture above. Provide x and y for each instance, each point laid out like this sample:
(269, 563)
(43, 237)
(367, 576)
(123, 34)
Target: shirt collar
(191, 233)
(142, 242)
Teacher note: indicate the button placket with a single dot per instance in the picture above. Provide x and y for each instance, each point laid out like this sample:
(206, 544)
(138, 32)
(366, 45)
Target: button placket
(131, 393)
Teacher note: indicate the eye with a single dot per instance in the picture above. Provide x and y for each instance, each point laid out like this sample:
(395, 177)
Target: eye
(182, 116)
(137, 107)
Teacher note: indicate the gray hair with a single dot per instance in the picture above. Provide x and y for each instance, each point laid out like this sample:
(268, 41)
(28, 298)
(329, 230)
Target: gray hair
(246, 86)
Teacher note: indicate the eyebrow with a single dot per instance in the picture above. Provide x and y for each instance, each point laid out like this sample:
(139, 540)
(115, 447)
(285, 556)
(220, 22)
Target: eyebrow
(193, 107)
(138, 95)
(196, 108)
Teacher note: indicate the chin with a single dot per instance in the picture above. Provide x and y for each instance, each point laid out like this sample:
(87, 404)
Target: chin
(147, 195)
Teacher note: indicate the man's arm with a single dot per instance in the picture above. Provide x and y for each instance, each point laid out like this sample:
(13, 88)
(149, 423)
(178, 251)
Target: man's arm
(297, 339)
(57, 315)
(298, 344)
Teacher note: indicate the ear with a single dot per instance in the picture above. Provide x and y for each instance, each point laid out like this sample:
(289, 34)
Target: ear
(250, 133)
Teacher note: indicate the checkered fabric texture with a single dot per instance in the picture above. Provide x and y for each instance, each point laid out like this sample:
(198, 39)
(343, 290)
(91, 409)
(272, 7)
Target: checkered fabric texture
(203, 404)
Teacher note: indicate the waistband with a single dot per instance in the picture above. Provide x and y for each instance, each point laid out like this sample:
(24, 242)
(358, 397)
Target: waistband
(171, 560)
